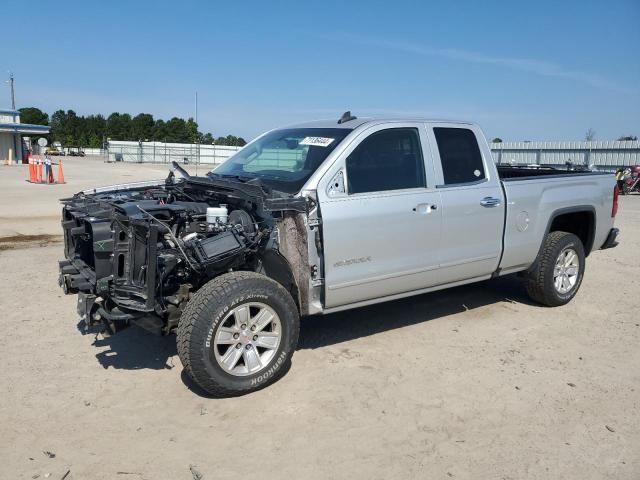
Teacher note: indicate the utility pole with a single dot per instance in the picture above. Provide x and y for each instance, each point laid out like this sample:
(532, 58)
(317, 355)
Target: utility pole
(13, 93)
(197, 139)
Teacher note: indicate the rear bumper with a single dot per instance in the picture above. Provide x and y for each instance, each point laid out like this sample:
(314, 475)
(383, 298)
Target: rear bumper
(611, 241)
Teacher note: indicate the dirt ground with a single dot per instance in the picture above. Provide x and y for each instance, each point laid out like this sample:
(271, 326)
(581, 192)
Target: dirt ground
(470, 383)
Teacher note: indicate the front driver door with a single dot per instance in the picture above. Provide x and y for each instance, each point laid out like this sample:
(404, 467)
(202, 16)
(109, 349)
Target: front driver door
(381, 233)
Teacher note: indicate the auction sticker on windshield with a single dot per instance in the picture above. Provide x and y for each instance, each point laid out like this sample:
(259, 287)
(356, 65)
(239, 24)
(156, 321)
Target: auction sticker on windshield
(317, 141)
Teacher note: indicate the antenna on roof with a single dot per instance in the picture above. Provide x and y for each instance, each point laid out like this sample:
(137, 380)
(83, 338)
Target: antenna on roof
(346, 117)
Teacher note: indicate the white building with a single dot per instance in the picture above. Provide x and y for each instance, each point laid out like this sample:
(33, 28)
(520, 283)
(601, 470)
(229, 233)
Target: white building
(11, 131)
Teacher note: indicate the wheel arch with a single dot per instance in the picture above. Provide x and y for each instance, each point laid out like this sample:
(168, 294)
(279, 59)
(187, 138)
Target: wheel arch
(579, 220)
(276, 267)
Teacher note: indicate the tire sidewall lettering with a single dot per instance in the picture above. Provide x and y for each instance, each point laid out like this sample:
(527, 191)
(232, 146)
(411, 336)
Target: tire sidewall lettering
(225, 310)
(271, 370)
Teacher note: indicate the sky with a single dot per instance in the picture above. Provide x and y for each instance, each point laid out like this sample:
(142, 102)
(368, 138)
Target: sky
(535, 70)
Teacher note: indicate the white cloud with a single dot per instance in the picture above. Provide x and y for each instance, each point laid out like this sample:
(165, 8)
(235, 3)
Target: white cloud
(538, 67)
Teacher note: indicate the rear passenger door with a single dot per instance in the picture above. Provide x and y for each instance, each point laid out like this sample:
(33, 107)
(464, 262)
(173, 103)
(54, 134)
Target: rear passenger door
(380, 216)
(473, 205)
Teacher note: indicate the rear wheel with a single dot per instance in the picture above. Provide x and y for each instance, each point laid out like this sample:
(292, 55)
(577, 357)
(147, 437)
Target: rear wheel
(557, 275)
(238, 333)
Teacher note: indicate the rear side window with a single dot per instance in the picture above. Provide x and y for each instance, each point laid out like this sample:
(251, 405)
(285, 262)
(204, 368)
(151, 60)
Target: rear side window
(460, 155)
(386, 160)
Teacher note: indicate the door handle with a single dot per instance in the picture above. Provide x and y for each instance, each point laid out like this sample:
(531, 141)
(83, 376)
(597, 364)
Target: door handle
(425, 208)
(490, 202)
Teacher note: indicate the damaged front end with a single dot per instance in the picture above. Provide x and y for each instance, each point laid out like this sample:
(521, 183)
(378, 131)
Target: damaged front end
(136, 253)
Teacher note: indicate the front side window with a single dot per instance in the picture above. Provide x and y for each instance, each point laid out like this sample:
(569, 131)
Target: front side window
(460, 155)
(386, 160)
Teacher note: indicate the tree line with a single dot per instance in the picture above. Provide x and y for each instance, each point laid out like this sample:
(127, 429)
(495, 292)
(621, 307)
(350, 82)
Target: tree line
(73, 130)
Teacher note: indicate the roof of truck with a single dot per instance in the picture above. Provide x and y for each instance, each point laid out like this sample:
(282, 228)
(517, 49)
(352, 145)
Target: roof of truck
(351, 124)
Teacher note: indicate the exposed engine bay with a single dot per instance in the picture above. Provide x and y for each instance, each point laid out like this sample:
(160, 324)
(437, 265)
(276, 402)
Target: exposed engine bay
(136, 253)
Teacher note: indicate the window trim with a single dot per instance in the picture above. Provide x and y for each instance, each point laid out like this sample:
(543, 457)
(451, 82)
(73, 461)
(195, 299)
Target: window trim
(425, 183)
(463, 184)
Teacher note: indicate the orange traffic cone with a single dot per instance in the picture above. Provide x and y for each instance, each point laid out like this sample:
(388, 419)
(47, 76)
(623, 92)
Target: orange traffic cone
(60, 172)
(32, 169)
(39, 173)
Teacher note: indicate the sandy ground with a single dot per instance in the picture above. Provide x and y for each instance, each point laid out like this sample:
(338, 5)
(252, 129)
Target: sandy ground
(470, 383)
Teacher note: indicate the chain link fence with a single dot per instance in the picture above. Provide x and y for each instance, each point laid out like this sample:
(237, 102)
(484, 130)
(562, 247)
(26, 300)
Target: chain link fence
(160, 152)
(598, 155)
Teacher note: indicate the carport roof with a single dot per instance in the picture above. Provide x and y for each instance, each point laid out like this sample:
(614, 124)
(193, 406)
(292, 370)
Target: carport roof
(23, 128)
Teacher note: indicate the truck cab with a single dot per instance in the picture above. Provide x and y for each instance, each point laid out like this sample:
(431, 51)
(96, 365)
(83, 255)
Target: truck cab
(414, 215)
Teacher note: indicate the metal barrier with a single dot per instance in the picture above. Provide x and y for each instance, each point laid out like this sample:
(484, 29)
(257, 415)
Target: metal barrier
(160, 152)
(598, 155)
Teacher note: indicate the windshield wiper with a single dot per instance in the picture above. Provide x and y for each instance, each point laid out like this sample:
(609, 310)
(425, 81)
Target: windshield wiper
(241, 178)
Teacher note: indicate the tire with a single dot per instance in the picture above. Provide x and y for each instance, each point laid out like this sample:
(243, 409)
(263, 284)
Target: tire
(541, 282)
(211, 316)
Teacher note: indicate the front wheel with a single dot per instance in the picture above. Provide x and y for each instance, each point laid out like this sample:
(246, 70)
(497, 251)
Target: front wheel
(557, 274)
(238, 333)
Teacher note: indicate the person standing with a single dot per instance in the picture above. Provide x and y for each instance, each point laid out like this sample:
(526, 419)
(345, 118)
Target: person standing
(47, 169)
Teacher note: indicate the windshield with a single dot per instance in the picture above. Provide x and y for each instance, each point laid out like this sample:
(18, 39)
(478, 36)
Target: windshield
(283, 159)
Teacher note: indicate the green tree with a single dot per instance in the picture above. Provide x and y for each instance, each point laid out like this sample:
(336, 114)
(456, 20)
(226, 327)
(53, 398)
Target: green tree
(95, 127)
(34, 116)
(64, 127)
(496, 140)
(142, 126)
(159, 130)
(72, 130)
(191, 131)
(176, 130)
(58, 121)
(94, 141)
(119, 126)
(626, 138)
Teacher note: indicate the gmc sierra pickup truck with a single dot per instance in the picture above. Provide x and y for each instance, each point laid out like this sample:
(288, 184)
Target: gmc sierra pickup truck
(316, 218)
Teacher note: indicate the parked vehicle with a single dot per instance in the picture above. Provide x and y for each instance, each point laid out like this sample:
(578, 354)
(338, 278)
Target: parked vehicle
(631, 182)
(54, 152)
(318, 218)
(76, 152)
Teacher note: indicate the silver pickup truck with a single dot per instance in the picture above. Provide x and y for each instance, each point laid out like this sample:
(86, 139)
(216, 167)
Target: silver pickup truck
(316, 218)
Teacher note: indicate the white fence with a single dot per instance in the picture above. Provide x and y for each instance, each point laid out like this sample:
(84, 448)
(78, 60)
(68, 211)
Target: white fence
(92, 151)
(601, 155)
(185, 153)
(160, 152)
